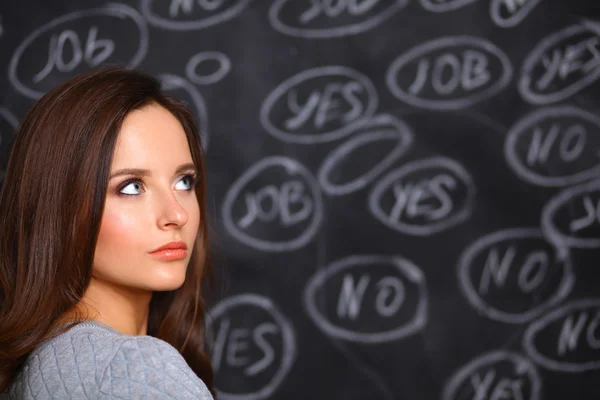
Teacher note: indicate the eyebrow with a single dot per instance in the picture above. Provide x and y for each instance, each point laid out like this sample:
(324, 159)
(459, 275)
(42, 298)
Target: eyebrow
(145, 172)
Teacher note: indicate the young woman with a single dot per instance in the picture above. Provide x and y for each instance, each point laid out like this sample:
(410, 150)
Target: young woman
(104, 246)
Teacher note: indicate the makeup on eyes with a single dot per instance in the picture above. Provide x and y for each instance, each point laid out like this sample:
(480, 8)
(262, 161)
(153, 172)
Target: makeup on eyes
(192, 177)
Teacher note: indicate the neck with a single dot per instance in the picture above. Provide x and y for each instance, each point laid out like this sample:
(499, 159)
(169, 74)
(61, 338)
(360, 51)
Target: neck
(122, 308)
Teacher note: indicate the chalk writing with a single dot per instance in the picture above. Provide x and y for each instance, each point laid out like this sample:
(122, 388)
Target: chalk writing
(509, 13)
(318, 105)
(449, 73)
(378, 298)
(325, 19)
(573, 333)
(223, 67)
(572, 217)
(383, 128)
(186, 92)
(513, 275)
(186, 15)
(253, 346)
(71, 51)
(423, 197)
(278, 193)
(555, 146)
(495, 375)
(561, 64)
(444, 5)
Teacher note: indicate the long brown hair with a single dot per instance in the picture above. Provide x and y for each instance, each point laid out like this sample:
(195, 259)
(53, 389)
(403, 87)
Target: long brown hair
(51, 205)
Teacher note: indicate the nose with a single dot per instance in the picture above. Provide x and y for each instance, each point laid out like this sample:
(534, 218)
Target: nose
(171, 213)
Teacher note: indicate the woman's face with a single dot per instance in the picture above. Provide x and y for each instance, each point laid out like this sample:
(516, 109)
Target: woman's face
(148, 208)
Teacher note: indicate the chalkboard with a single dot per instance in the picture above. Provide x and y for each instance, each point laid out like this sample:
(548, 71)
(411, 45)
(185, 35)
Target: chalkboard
(405, 192)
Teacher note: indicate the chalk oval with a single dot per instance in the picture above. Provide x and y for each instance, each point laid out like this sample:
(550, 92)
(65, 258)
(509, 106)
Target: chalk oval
(330, 20)
(505, 365)
(535, 85)
(570, 217)
(544, 278)
(251, 377)
(560, 139)
(119, 15)
(355, 92)
(515, 17)
(397, 312)
(444, 6)
(164, 14)
(413, 72)
(580, 320)
(294, 205)
(174, 85)
(379, 130)
(439, 177)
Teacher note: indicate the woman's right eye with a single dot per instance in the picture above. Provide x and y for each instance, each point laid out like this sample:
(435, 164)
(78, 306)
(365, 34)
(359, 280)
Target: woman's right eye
(135, 184)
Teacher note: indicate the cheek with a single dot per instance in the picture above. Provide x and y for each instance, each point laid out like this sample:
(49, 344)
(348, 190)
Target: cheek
(119, 229)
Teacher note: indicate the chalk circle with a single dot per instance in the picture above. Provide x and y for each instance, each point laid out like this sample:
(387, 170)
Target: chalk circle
(404, 268)
(465, 267)
(536, 56)
(370, 21)
(382, 128)
(552, 232)
(513, 20)
(170, 82)
(288, 339)
(455, 389)
(165, 22)
(548, 362)
(532, 120)
(120, 11)
(448, 42)
(292, 168)
(334, 72)
(216, 56)
(456, 217)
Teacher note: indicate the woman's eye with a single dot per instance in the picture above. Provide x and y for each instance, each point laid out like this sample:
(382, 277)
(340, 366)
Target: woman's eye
(131, 188)
(190, 181)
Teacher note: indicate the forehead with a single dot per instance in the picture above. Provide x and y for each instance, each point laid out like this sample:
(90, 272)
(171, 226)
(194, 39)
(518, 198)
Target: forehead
(151, 136)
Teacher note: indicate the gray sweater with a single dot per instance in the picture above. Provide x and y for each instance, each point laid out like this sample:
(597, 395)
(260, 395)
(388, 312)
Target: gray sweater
(94, 361)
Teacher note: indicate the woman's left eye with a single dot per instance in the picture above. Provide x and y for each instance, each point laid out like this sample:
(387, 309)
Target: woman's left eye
(191, 181)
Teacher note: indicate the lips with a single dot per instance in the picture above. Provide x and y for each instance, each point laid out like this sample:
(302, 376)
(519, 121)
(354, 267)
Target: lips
(179, 245)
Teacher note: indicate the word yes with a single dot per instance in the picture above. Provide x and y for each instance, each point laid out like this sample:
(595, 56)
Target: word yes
(409, 197)
(583, 56)
(235, 341)
(95, 52)
(505, 388)
(592, 215)
(322, 105)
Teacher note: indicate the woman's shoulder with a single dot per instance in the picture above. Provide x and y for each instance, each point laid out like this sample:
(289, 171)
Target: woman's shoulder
(92, 360)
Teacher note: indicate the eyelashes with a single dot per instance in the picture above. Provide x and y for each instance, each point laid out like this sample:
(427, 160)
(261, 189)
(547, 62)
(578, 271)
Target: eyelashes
(192, 179)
